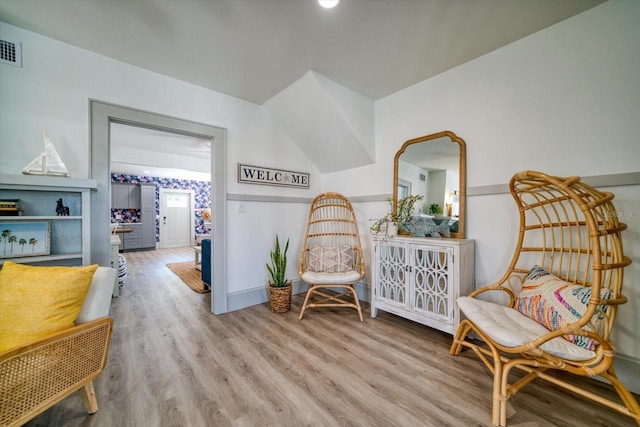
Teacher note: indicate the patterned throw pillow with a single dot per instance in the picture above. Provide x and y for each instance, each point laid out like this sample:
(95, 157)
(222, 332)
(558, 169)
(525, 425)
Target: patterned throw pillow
(554, 303)
(330, 259)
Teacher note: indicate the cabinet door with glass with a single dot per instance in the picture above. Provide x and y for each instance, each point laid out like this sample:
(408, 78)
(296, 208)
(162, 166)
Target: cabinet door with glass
(420, 279)
(432, 282)
(391, 286)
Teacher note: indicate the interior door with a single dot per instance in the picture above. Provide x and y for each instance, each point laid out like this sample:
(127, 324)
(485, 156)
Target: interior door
(175, 219)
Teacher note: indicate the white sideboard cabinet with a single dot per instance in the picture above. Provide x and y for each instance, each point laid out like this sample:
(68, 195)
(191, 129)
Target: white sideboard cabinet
(421, 278)
(69, 238)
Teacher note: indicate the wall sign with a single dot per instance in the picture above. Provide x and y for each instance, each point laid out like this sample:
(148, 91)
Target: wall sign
(249, 174)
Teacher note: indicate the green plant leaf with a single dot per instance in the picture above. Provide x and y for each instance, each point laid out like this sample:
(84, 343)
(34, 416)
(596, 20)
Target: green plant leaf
(278, 268)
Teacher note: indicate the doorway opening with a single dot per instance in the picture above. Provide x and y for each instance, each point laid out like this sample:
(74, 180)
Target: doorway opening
(166, 160)
(102, 115)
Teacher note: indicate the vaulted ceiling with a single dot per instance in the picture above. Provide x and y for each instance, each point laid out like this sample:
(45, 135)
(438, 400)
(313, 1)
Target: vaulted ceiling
(253, 49)
(256, 49)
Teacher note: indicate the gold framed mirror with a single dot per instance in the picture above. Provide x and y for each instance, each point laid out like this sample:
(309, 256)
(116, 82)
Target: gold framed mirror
(434, 166)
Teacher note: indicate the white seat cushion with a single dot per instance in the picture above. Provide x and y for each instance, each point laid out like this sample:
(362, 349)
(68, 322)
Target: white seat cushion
(318, 277)
(510, 328)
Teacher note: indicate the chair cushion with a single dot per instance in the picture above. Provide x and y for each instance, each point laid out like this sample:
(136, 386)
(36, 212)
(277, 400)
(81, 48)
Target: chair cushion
(510, 328)
(330, 259)
(38, 301)
(205, 268)
(554, 304)
(325, 278)
(97, 303)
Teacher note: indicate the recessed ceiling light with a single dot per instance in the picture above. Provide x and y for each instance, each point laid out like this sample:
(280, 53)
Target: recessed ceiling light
(328, 4)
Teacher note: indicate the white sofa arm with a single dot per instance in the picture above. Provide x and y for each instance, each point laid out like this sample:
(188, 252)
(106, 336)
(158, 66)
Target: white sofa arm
(98, 301)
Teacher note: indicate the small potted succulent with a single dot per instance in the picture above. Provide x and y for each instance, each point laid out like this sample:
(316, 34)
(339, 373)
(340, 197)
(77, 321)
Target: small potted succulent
(279, 286)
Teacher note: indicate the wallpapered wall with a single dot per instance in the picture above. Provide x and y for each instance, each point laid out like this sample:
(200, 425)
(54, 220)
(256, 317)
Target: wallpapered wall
(202, 192)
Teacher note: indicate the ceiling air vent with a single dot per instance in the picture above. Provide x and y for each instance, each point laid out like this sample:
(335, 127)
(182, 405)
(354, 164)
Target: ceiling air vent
(10, 53)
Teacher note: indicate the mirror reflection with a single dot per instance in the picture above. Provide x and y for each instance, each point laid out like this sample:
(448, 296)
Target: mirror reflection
(433, 166)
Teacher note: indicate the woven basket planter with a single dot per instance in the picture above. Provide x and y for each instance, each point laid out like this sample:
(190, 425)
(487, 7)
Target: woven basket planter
(280, 298)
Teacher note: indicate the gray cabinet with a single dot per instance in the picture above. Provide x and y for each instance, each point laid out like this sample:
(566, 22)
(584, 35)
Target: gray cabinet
(125, 196)
(148, 215)
(133, 239)
(119, 196)
(142, 197)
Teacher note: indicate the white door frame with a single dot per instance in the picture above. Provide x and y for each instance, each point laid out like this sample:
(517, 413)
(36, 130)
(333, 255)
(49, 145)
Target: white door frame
(192, 221)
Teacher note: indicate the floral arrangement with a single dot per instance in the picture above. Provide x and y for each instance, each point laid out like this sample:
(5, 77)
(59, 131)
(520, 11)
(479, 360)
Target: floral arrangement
(400, 213)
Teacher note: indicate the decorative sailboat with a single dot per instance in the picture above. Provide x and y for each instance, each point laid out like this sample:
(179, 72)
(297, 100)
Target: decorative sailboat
(48, 162)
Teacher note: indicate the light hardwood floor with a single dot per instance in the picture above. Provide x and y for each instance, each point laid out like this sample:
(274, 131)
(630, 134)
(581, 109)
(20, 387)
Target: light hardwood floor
(173, 363)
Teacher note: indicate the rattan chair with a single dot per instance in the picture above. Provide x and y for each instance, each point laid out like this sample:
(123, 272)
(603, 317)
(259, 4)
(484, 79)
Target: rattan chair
(38, 375)
(331, 259)
(570, 230)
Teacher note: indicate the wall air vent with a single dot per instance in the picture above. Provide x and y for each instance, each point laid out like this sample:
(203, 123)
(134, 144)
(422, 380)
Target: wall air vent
(10, 53)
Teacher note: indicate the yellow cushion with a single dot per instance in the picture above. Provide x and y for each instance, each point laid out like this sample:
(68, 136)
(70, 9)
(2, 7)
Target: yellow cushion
(38, 301)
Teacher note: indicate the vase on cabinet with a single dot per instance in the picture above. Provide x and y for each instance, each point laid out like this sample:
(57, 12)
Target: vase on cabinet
(392, 229)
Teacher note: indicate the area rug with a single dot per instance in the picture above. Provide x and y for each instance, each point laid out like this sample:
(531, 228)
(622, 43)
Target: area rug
(187, 272)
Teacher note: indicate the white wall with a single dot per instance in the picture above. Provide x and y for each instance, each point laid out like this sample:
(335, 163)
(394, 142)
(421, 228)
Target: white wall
(411, 173)
(565, 101)
(52, 91)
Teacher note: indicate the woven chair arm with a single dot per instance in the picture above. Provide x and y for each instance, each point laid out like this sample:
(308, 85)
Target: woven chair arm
(498, 287)
(618, 301)
(358, 260)
(302, 263)
(39, 374)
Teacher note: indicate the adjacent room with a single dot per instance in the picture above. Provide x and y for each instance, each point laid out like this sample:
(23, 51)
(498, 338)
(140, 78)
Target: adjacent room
(161, 196)
(294, 213)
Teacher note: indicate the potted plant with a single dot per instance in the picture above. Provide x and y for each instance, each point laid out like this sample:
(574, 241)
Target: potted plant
(402, 214)
(435, 209)
(279, 286)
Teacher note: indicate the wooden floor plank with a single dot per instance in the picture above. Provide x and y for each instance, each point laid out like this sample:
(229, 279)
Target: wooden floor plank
(173, 363)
